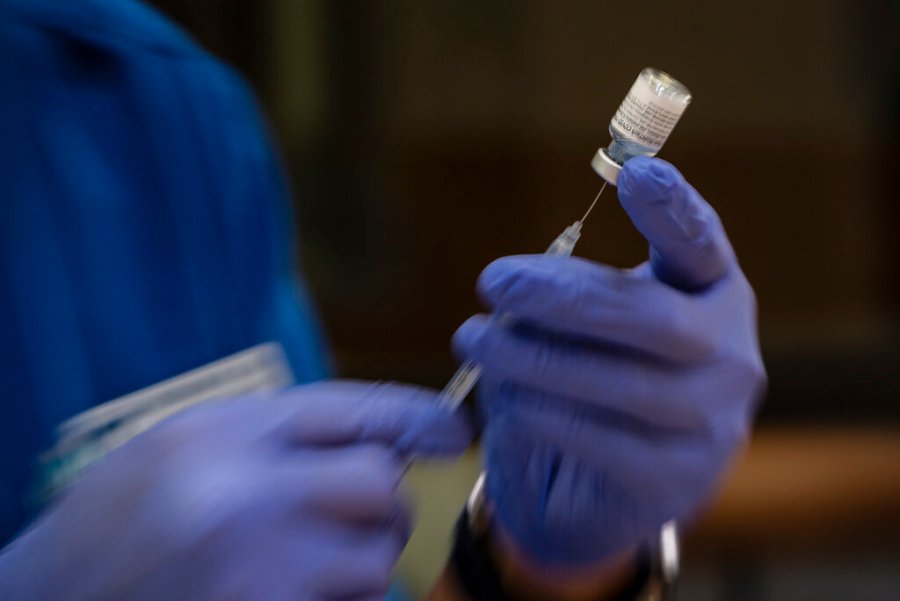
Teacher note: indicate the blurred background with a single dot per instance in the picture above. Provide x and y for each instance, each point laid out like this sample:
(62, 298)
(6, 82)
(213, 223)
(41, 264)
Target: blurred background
(426, 138)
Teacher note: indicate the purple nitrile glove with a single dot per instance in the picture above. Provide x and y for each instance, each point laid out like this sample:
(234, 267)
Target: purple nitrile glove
(287, 495)
(615, 399)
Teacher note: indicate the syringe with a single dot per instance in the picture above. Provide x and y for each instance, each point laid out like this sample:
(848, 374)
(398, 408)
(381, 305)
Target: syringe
(468, 374)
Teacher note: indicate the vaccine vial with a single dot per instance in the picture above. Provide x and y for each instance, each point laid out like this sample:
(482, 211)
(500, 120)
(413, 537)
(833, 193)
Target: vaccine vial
(643, 121)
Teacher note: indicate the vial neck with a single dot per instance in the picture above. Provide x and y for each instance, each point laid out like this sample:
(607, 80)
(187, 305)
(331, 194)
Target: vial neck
(622, 150)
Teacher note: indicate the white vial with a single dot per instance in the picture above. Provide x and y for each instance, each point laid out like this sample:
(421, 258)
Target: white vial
(643, 122)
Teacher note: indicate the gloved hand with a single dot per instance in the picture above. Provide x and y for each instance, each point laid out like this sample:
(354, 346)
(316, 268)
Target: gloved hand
(615, 399)
(291, 495)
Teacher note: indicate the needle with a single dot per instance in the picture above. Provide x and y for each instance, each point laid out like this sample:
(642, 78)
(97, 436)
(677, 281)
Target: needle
(596, 198)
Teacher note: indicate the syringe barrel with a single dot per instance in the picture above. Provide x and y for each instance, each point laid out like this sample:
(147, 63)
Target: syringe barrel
(460, 385)
(468, 374)
(565, 242)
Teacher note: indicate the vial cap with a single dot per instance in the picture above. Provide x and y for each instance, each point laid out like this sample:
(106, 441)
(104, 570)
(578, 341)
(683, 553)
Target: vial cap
(605, 167)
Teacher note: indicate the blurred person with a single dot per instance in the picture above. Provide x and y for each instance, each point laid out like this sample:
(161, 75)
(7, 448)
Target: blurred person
(146, 233)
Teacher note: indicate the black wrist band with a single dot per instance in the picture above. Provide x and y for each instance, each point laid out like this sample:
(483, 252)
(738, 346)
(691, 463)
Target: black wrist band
(479, 578)
(471, 561)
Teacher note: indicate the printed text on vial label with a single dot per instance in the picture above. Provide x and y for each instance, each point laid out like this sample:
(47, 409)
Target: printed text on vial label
(644, 122)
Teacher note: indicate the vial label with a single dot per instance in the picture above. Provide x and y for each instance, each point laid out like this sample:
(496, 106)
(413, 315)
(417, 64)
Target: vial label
(645, 117)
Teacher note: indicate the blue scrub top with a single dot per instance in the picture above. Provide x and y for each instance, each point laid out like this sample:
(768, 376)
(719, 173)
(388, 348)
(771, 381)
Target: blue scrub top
(144, 223)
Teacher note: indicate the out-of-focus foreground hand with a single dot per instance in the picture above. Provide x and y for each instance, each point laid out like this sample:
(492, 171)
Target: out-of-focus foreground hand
(615, 399)
(291, 495)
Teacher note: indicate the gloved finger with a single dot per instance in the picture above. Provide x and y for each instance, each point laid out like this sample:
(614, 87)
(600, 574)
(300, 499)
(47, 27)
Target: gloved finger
(593, 377)
(652, 465)
(609, 509)
(406, 418)
(353, 484)
(586, 299)
(689, 248)
(363, 566)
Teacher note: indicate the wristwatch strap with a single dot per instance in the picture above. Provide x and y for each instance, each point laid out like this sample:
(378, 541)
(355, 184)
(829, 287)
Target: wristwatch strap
(477, 574)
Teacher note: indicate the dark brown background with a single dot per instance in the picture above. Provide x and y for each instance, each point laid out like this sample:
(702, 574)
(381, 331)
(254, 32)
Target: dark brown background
(425, 139)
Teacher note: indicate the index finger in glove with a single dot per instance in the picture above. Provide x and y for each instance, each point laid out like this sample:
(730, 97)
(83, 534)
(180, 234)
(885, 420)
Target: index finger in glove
(406, 418)
(587, 299)
(689, 248)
